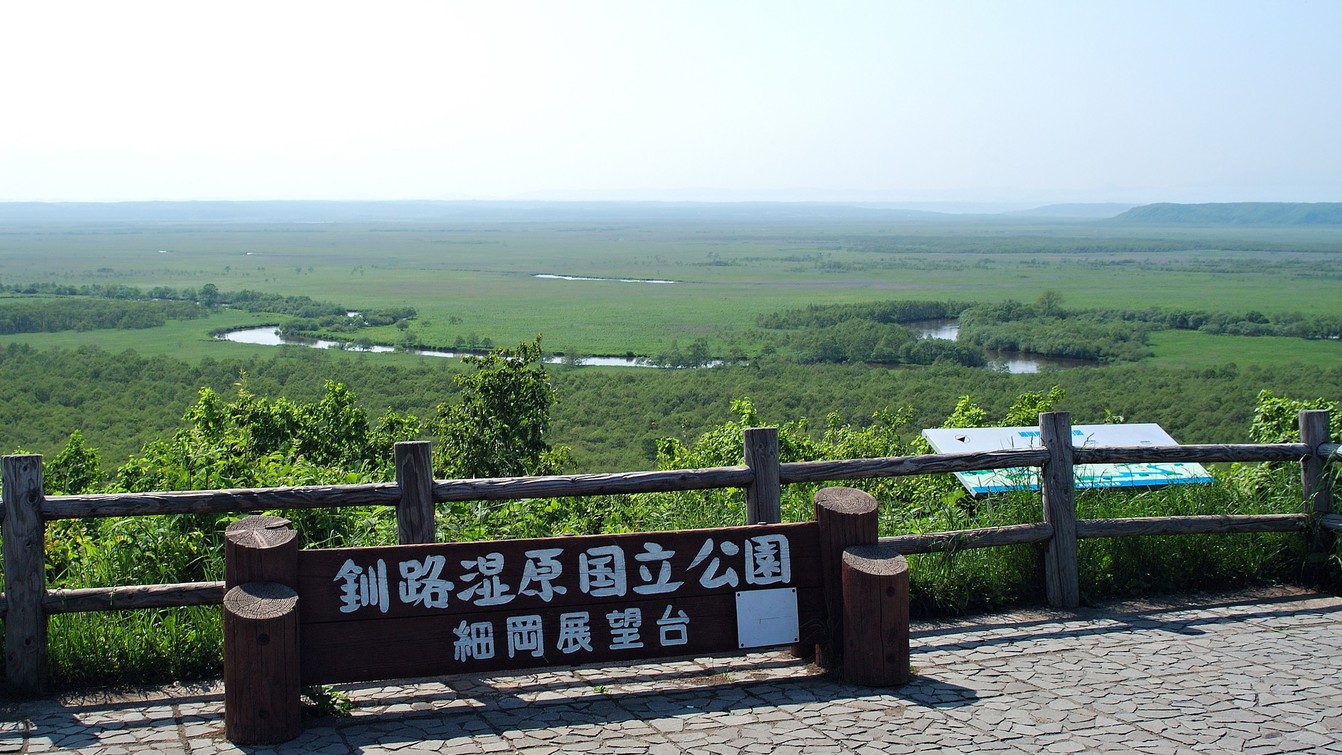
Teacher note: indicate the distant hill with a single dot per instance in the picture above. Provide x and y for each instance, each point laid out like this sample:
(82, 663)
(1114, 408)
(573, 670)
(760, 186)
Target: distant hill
(1084, 211)
(297, 211)
(1235, 213)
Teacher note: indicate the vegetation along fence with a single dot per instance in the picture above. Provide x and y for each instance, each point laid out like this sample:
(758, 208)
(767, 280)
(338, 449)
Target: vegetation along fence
(27, 602)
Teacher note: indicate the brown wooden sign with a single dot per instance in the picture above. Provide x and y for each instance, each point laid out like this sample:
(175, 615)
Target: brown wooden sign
(422, 610)
(361, 614)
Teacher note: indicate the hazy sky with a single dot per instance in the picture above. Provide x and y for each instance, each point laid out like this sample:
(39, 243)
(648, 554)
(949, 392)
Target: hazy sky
(997, 100)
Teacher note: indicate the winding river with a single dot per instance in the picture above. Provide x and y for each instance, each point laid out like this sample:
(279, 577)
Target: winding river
(270, 336)
(945, 329)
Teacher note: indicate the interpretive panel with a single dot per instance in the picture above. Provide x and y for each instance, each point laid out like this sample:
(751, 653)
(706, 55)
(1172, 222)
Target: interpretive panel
(953, 440)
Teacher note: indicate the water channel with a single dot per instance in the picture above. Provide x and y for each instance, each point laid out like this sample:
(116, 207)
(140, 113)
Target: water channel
(269, 335)
(949, 330)
(1005, 361)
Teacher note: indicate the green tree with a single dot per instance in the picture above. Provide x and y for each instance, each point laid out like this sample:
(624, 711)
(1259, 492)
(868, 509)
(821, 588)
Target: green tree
(1031, 404)
(1049, 303)
(967, 414)
(253, 442)
(499, 424)
(698, 354)
(74, 470)
(1276, 419)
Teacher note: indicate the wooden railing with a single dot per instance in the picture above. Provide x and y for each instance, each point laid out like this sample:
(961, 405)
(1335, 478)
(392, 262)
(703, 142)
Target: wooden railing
(26, 602)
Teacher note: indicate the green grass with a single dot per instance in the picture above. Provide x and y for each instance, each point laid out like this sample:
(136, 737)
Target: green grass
(1191, 349)
(1179, 563)
(183, 339)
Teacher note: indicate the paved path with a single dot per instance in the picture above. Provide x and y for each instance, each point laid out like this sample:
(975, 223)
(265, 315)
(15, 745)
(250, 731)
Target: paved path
(1253, 672)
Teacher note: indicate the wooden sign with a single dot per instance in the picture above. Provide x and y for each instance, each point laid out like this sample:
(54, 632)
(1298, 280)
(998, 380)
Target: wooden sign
(310, 617)
(422, 610)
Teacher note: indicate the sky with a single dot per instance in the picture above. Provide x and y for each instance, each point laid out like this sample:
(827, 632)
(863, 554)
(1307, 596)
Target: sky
(940, 101)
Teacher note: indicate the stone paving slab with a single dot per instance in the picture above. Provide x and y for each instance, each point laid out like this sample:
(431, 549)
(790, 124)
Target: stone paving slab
(1257, 672)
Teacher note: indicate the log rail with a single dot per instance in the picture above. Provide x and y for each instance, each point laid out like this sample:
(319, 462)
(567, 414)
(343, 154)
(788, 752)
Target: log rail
(26, 603)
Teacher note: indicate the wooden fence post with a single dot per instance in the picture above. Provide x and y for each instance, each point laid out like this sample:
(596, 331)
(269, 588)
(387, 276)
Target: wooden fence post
(844, 517)
(1317, 491)
(262, 689)
(1061, 582)
(262, 703)
(414, 475)
(24, 537)
(764, 495)
(875, 616)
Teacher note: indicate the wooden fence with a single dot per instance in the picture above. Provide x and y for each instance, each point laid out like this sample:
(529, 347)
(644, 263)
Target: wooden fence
(26, 602)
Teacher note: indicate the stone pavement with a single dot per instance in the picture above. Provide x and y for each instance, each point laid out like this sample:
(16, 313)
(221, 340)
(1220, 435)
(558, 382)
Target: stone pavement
(1249, 672)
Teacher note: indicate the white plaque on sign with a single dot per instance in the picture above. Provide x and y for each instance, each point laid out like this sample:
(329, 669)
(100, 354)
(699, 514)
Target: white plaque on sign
(951, 440)
(766, 617)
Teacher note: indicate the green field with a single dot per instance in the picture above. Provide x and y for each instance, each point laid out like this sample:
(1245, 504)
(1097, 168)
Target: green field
(1180, 348)
(479, 277)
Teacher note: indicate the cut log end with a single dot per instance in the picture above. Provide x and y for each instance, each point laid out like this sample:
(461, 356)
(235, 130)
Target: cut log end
(880, 559)
(260, 600)
(261, 532)
(845, 500)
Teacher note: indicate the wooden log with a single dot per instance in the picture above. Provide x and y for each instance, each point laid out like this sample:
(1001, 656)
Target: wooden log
(25, 576)
(1330, 450)
(1061, 581)
(764, 494)
(875, 616)
(1190, 525)
(516, 488)
(220, 501)
(902, 466)
(130, 597)
(1204, 453)
(985, 537)
(261, 662)
(414, 476)
(620, 483)
(1016, 534)
(1332, 522)
(260, 549)
(389, 494)
(844, 517)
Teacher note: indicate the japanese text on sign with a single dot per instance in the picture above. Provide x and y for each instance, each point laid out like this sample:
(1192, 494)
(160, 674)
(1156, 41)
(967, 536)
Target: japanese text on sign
(605, 571)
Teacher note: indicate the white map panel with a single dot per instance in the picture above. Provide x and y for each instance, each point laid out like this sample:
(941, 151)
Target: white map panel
(953, 440)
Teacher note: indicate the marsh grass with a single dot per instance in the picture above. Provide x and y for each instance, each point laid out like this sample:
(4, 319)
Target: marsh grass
(957, 582)
(729, 271)
(136, 646)
(1175, 563)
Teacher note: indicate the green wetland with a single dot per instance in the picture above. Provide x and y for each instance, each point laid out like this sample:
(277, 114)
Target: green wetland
(470, 273)
(110, 366)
